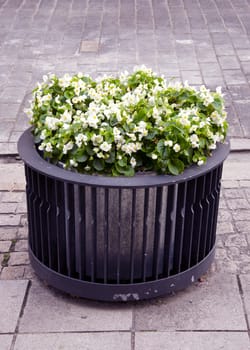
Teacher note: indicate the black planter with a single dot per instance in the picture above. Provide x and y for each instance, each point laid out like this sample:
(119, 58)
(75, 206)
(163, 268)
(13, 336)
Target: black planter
(124, 238)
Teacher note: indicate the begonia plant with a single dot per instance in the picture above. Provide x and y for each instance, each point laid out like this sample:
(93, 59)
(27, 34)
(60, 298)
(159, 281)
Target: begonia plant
(126, 124)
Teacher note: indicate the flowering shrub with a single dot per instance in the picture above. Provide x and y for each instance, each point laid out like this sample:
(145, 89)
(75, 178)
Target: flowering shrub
(126, 124)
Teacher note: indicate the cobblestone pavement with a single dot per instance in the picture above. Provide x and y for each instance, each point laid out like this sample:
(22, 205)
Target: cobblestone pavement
(202, 41)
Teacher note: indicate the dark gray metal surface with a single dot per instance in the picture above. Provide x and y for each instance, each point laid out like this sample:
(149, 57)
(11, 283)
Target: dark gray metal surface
(109, 239)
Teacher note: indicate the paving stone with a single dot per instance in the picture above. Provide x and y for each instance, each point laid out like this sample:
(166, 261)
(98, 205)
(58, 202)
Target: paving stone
(18, 258)
(233, 193)
(245, 183)
(8, 148)
(243, 226)
(8, 233)
(244, 55)
(47, 310)
(21, 245)
(12, 177)
(8, 208)
(236, 240)
(224, 216)
(13, 273)
(238, 203)
(236, 170)
(12, 295)
(5, 341)
(64, 341)
(191, 309)
(245, 282)
(22, 233)
(224, 227)
(21, 207)
(240, 144)
(189, 340)
(10, 219)
(4, 246)
(241, 215)
(229, 62)
(231, 183)
(13, 197)
(234, 77)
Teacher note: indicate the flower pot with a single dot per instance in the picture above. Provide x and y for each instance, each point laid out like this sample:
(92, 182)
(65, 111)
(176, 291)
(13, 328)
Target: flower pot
(120, 238)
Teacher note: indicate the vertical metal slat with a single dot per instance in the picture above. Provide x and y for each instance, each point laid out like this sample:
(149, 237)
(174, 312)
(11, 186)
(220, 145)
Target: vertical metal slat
(179, 228)
(157, 230)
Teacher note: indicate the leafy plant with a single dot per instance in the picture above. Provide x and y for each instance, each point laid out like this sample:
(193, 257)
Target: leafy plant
(126, 124)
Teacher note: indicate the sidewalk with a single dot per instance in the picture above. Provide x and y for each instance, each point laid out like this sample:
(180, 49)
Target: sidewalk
(204, 42)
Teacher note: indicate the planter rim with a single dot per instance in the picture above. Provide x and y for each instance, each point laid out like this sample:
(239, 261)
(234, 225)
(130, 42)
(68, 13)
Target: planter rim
(30, 156)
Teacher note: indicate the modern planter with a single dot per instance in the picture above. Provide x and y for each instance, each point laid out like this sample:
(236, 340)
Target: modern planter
(120, 238)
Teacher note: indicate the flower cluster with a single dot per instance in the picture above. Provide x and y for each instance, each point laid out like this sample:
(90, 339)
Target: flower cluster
(126, 124)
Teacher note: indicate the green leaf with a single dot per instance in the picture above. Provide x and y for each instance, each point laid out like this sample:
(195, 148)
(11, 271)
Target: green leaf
(160, 147)
(175, 166)
(129, 172)
(111, 158)
(98, 164)
(81, 158)
(122, 162)
(89, 150)
(69, 94)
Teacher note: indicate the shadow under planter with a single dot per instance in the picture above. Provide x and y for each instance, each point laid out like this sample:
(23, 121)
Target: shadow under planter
(120, 238)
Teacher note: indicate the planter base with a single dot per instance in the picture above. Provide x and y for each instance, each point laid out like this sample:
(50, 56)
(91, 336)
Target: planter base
(121, 292)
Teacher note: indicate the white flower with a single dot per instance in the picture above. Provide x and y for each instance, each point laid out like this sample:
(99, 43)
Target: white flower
(48, 147)
(29, 112)
(80, 138)
(93, 121)
(57, 99)
(67, 147)
(73, 163)
(41, 146)
(168, 143)
(65, 81)
(219, 91)
(176, 147)
(66, 117)
(43, 134)
(96, 139)
(212, 146)
(200, 162)
(133, 162)
(51, 123)
(105, 146)
(100, 155)
(75, 100)
(154, 156)
(194, 140)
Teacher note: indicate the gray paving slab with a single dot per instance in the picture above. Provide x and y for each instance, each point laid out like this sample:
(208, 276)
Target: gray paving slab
(47, 310)
(245, 282)
(12, 177)
(5, 341)
(192, 341)
(209, 44)
(237, 167)
(12, 295)
(74, 341)
(214, 304)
